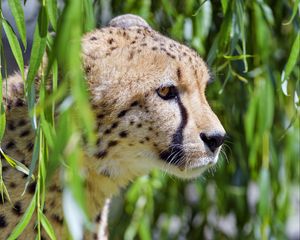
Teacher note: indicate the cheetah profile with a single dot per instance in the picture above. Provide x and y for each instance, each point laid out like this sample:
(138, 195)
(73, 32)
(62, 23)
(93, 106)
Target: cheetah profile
(147, 92)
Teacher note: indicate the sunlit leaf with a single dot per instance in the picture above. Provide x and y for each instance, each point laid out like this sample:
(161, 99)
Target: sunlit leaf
(23, 221)
(14, 45)
(18, 13)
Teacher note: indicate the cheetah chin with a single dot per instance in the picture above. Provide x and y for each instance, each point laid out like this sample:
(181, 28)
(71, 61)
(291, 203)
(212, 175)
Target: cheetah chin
(148, 95)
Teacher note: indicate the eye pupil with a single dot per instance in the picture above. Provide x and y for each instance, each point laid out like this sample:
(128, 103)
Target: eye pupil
(167, 93)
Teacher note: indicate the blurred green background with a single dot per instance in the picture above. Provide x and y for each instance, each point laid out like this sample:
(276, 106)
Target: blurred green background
(252, 49)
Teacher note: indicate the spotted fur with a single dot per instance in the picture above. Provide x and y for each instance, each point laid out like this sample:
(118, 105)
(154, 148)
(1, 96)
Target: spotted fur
(138, 131)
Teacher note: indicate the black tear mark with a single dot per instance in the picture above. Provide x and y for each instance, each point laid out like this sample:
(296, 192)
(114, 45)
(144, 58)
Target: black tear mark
(175, 152)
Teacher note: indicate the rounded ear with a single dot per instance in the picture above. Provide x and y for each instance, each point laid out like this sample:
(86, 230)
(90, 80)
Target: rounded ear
(128, 20)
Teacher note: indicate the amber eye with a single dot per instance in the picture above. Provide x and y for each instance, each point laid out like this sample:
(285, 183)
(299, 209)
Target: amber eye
(167, 93)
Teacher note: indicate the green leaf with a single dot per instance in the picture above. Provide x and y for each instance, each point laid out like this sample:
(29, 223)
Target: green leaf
(15, 163)
(2, 121)
(89, 18)
(37, 52)
(295, 9)
(18, 13)
(52, 12)
(47, 226)
(293, 57)
(24, 220)
(14, 45)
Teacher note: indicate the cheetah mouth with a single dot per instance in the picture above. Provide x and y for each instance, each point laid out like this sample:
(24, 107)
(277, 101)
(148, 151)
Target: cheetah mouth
(174, 155)
(181, 163)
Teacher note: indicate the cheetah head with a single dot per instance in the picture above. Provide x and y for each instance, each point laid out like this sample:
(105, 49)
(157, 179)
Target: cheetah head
(149, 95)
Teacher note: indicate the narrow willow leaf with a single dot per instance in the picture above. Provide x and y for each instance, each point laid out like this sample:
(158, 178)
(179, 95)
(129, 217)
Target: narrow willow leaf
(24, 220)
(14, 45)
(239, 57)
(47, 226)
(15, 163)
(89, 17)
(295, 9)
(2, 121)
(37, 52)
(52, 12)
(293, 57)
(224, 6)
(18, 13)
(35, 155)
(3, 190)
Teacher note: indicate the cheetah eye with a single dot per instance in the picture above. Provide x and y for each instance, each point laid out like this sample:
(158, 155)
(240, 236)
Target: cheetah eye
(167, 93)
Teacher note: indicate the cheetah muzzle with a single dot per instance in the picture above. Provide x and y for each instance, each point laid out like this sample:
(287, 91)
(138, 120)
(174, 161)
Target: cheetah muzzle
(148, 95)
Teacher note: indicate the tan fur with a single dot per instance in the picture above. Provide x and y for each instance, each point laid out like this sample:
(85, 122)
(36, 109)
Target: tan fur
(124, 67)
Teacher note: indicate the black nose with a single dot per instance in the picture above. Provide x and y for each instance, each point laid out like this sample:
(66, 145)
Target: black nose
(212, 141)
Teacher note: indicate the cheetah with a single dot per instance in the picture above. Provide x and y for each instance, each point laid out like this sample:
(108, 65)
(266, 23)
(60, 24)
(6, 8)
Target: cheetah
(148, 96)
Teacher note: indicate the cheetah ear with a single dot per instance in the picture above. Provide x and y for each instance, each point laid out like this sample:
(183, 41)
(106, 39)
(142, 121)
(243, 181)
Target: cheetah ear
(128, 20)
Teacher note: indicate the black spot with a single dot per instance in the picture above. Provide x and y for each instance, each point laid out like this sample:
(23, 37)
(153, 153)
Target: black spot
(57, 219)
(114, 125)
(142, 142)
(3, 222)
(4, 168)
(10, 145)
(123, 134)
(133, 42)
(22, 122)
(110, 41)
(55, 188)
(150, 128)
(147, 138)
(95, 236)
(12, 185)
(112, 143)
(122, 113)
(101, 154)
(131, 122)
(93, 38)
(98, 218)
(87, 69)
(25, 133)
(107, 131)
(179, 74)
(17, 208)
(31, 188)
(100, 116)
(139, 125)
(154, 48)
(135, 103)
(29, 146)
(11, 125)
(19, 102)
